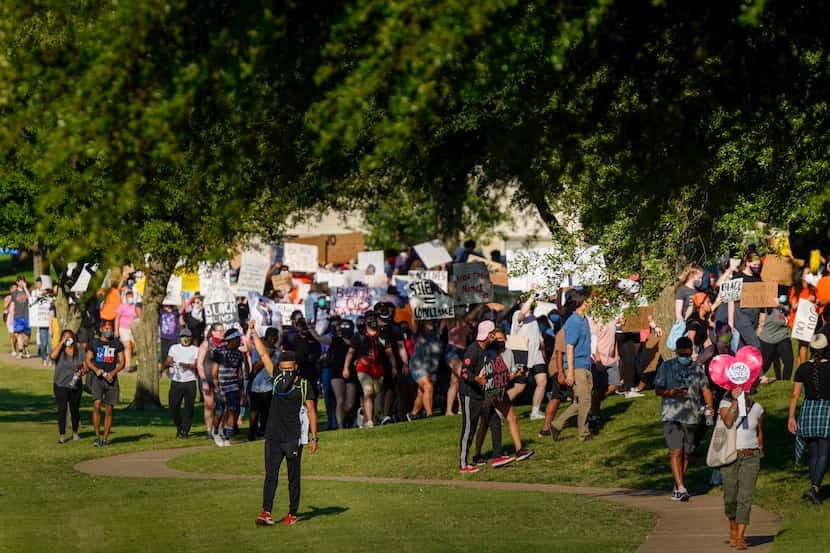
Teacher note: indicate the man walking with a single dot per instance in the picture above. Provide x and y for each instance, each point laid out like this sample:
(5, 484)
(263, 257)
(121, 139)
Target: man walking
(681, 383)
(181, 365)
(291, 416)
(577, 333)
(105, 358)
(20, 325)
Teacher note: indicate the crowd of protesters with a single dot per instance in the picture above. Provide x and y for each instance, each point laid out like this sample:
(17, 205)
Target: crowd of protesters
(381, 366)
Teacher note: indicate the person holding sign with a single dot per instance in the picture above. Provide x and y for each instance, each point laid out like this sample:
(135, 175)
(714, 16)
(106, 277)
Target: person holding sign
(801, 289)
(746, 320)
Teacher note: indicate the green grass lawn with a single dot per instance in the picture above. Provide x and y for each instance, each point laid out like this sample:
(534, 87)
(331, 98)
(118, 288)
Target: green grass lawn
(47, 506)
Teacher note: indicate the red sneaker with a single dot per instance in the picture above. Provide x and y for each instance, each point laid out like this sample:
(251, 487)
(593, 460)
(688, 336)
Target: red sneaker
(264, 519)
(290, 519)
(501, 461)
(469, 469)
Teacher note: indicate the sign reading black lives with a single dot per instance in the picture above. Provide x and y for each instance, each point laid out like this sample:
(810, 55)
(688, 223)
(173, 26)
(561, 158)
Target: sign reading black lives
(225, 313)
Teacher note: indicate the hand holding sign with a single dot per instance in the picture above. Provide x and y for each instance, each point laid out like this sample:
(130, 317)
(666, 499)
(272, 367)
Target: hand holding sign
(739, 371)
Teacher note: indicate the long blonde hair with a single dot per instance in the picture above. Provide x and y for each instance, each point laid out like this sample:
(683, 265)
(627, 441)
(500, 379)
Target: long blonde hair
(684, 276)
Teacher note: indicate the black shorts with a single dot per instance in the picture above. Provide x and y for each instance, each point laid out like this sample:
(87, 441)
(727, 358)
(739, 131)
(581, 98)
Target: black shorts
(260, 401)
(538, 369)
(558, 391)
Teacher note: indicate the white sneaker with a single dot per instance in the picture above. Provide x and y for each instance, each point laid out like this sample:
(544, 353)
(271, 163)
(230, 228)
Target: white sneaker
(14, 354)
(368, 424)
(75, 437)
(226, 442)
(217, 439)
(631, 394)
(536, 416)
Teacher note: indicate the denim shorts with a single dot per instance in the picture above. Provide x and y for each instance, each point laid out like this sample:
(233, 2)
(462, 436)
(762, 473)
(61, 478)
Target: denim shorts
(453, 352)
(417, 374)
(233, 399)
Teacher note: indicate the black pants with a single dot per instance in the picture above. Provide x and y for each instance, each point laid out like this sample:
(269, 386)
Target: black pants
(471, 410)
(275, 452)
(779, 354)
(182, 391)
(819, 449)
(628, 348)
(260, 404)
(67, 397)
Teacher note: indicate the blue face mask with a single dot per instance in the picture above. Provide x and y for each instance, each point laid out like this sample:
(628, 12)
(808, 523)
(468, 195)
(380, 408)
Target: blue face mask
(685, 361)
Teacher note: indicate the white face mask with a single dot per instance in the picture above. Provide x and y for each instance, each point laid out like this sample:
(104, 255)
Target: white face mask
(68, 342)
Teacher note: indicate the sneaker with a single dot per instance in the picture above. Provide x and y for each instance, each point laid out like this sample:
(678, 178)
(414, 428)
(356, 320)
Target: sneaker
(469, 469)
(544, 433)
(684, 495)
(61, 439)
(675, 495)
(632, 393)
(812, 496)
(385, 420)
(96, 442)
(620, 392)
(523, 454)
(14, 354)
(368, 424)
(290, 519)
(264, 519)
(478, 461)
(537, 416)
(104, 443)
(501, 461)
(217, 439)
(554, 433)
(587, 438)
(226, 442)
(410, 417)
(75, 437)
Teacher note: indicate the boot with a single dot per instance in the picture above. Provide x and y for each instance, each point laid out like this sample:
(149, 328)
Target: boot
(733, 533)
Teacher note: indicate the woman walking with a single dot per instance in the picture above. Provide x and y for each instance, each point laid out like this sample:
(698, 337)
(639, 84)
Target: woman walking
(125, 315)
(69, 362)
(739, 477)
(812, 431)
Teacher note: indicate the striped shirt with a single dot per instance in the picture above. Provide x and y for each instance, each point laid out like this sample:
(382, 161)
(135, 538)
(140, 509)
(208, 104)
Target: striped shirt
(229, 363)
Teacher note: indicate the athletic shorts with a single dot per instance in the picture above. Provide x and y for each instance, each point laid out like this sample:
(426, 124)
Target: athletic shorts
(21, 325)
(538, 369)
(103, 391)
(125, 334)
(371, 386)
(679, 435)
(558, 391)
(609, 377)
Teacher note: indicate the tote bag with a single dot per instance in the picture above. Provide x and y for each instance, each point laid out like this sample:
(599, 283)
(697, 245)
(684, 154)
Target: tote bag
(723, 448)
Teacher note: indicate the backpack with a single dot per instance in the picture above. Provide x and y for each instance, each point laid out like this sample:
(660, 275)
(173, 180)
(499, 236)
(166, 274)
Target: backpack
(678, 331)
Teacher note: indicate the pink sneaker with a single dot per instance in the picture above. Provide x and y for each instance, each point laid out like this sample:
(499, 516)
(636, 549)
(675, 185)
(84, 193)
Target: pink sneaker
(469, 469)
(264, 519)
(501, 461)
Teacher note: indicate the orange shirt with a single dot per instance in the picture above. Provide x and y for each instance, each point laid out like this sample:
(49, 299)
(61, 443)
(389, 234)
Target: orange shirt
(111, 303)
(823, 291)
(805, 294)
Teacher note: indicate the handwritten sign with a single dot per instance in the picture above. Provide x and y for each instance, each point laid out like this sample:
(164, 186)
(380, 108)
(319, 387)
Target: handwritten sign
(225, 313)
(806, 319)
(39, 312)
(173, 294)
(267, 313)
(778, 269)
(428, 301)
(498, 272)
(730, 290)
(302, 258)
(252, 272)
(82, 284)
(759, 294)
(352, 302)
(472, 283)
(374, 258)
(438, 277)
(433, 254)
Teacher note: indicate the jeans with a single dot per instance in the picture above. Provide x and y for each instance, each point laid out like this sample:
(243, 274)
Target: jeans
(328, 399)
(345, 396)
(71, 398)
(819, 449)
(44, 344)
(739, 486)
(581, 406)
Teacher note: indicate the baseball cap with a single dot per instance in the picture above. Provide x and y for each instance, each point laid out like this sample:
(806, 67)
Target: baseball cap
(185, 332)
(232, 333)
(699, 298)
(484, 330)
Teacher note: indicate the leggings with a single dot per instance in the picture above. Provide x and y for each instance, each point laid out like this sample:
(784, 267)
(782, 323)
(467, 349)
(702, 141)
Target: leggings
(275, 452)
(67, 397)
(471, 410)
(345, 394)
(819, 449)
(780, 355)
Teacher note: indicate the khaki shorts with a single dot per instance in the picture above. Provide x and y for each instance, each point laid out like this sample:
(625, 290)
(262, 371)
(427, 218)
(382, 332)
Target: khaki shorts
(105, 392)
(371, 386)
(125, 334)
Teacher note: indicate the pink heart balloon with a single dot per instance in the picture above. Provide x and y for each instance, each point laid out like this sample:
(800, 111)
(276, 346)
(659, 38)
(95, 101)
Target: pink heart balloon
(717, 370)
(751, 358)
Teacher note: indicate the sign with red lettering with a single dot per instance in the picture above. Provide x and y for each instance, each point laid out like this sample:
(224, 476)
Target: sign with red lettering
(472, 283)
(351, 302)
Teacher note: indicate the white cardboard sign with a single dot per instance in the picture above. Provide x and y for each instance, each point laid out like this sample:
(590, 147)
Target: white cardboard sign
(374, 258)
(438, 277)
(301, 258)
(730, 290)
(82, 284)
(173, 294)
(252, 272)
(428, 301)
(433, 253)
(39, 312)
(806, 317)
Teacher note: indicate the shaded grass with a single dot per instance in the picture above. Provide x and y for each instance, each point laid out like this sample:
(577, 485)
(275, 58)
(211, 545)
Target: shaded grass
(48, 506)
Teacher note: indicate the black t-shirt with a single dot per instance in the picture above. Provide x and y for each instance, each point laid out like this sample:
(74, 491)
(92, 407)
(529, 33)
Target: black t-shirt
(284, 414)
(105, 353)
(751, 313)
(308, 352)
(815, 377)
(474, 359)
(391, 333)
(700, 328)
(337, 354)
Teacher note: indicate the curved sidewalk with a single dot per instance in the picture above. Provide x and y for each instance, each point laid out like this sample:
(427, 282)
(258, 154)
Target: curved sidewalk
(697, 526)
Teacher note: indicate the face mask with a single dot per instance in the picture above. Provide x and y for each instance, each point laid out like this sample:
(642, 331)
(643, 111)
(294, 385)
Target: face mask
(216, 341)
(782, 299)
(68, 342)
(697, 283)
(185, 341)
(685, 361)
(756, 270)
(108, 334)
(131, 300)
(498, 346)
(372, 324)
(130, 285)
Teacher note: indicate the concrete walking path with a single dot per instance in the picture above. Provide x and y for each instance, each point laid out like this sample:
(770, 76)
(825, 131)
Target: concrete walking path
(695, 527)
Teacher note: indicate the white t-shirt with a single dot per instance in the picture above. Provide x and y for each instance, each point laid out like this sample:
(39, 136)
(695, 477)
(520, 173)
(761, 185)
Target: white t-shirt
(747, 437)
(182, 354)
(534, 338)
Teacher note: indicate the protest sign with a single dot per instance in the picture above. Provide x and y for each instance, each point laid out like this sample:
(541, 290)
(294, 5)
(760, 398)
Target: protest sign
(806, 318)
(498, 272)
(759, 294)
(472, 283)
(334, 248)
(438, 277)
(266, 313)
(543, 308)
(224, 312)
(334, 280)
(39, 311)
(284, 310)
(374, 258)
(173, 294)
(401, 283)
(353, 276)
(254, 265)
(300, 258)
(351, 302)
(82, 283)
(282, 282)
(214, 282)
(428, 301)
(778, 269)
(433, 253)
(46, 281)
(638, 322)
(730, 290)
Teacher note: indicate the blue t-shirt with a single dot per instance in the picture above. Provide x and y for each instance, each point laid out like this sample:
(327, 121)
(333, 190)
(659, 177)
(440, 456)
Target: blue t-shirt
(578, 335)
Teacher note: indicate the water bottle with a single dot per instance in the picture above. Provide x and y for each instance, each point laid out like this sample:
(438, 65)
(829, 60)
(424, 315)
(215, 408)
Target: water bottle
(710, 419)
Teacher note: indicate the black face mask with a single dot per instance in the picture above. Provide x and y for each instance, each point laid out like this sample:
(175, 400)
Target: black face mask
(498, 346)
(373, 324)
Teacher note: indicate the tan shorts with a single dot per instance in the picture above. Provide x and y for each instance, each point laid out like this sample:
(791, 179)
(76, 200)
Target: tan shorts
(125, 334)
(371, 386)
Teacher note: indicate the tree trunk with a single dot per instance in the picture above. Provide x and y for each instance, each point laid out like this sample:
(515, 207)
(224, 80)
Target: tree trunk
(146, 335)
(37, 261)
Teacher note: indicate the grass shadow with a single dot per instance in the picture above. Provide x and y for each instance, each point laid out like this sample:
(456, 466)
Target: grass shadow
(314, 512)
